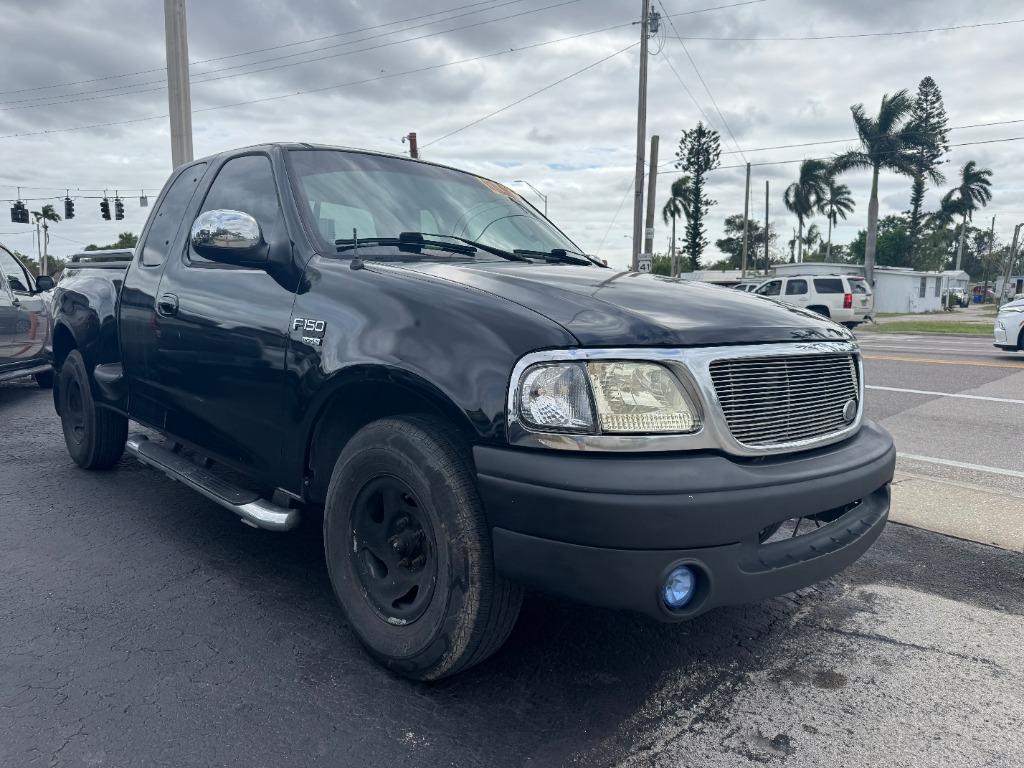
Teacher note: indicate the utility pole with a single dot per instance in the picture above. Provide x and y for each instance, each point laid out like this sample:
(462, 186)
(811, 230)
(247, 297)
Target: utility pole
(641, 134)
(179, 97)
(746, 228)
(652, 183)
(46, 247)
(766, 238)
(414, 149)
(1011, 258)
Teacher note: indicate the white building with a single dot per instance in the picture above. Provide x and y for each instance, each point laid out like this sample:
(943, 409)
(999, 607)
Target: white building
(897, 289)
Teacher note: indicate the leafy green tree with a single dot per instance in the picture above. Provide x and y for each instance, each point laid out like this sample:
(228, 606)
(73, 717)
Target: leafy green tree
(803, 196)
(124, 240)
(973, 192)
(676, 207)
(835, 204)
(892, 244)
(732, 243)
(887, 141)
(929, 120)
(699, 153)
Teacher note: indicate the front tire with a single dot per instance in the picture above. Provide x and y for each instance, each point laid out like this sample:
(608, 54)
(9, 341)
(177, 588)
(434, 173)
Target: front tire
(409, 550)
(95, 437)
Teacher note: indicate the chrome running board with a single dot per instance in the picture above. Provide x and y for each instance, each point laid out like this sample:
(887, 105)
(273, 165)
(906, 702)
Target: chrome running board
(248, 505)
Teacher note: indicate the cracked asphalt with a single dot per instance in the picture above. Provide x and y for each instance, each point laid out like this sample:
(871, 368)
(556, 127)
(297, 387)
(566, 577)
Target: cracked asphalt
(140, 625)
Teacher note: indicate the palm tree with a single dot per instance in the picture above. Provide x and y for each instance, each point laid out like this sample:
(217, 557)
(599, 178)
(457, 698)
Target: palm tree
(836, 204)
(676, 208)
(802, 196)
(964, 199)
(813, 238)
(47, 214)
(887, 141)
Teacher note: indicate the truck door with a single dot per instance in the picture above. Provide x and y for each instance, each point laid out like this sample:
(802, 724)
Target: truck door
(27, 320)
(223, 333)
(8, 319)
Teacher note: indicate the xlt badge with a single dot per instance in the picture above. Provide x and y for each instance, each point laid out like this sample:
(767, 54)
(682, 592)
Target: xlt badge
(312, 330)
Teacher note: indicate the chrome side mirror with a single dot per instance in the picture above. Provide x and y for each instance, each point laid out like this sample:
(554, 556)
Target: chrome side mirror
(230, 237)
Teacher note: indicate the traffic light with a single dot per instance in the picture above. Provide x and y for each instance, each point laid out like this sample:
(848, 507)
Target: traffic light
(105, 208)
(118, 208)
(69, 208)
(19, 213)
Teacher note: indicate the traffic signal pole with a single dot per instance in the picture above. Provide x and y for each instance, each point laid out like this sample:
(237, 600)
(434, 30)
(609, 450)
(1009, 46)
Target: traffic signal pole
(178, 93)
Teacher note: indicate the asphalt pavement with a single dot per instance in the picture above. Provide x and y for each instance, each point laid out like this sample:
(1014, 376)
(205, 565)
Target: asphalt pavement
(142, 625)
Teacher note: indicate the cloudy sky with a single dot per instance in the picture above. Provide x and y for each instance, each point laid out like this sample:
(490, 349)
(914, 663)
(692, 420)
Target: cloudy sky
(575, 141)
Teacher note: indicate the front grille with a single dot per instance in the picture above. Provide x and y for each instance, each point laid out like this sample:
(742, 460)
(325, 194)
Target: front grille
(772, 401)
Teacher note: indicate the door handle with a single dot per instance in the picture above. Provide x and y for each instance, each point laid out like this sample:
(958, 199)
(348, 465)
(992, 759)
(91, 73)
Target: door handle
(167, 305)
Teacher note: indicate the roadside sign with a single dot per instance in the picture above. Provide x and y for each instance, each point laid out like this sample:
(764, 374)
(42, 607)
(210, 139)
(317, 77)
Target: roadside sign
(643, 263)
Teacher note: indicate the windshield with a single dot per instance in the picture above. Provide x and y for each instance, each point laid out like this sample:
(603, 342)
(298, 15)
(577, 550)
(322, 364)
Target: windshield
(385, 196)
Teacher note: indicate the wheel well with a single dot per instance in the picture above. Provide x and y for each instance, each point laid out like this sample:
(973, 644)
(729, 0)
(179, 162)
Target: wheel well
(357, 404)
(63, 343)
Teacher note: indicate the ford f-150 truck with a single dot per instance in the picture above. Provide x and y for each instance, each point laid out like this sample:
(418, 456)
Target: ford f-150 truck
(474, 405)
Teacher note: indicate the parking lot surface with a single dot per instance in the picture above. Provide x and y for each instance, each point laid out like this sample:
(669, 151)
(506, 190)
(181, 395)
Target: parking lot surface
(142, 625)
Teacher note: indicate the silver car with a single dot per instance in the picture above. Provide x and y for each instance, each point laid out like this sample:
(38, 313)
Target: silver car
(1009, 327)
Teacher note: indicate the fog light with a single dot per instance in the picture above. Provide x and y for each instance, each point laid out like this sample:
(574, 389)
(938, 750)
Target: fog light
(679, 587)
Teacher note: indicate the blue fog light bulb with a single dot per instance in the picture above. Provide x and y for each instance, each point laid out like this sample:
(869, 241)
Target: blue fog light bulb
(679, 587)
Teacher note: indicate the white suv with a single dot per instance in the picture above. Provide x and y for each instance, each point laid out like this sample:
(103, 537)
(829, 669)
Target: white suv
(844, 298)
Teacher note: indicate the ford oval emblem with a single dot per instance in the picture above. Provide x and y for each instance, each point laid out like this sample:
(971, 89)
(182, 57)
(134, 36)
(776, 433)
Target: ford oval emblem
(850, 410)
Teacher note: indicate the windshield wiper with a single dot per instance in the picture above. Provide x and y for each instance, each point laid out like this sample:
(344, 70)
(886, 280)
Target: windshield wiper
(407, 242)
(482, 246)
(556, 255)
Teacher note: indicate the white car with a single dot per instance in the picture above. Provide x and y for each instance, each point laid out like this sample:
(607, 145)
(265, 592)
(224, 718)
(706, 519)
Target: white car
(747, 287)
(844, 298)
(1009, 327)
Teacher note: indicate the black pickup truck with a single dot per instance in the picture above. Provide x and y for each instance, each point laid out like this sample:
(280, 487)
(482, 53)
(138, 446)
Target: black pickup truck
(473, 404)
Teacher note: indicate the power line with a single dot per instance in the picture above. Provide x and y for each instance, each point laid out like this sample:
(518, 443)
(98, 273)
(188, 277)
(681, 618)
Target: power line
(855, 35)
(616, 216)
(703, 82)
(160, 84)
(716, 8)
(531, 95)
(323, 88)
(252, 51)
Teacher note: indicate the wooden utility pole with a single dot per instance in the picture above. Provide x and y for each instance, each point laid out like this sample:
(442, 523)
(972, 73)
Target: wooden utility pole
(179, 97)
(641, 134)
(746, 219)
(652, 183)
(766, 238)
(414, 149)
(1010, 258)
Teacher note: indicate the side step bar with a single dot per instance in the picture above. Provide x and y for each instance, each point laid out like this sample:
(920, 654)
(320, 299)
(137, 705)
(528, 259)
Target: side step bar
(248, 505)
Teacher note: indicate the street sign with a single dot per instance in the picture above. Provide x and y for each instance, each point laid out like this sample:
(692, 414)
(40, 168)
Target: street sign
(643, 263)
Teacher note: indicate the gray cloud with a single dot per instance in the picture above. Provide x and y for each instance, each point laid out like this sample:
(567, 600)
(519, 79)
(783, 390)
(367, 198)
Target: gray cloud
(575, 142)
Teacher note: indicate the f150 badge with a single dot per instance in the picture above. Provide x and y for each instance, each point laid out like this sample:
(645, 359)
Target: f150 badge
(312, 330)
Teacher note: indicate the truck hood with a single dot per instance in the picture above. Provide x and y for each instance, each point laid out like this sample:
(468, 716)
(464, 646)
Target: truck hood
(602, 307)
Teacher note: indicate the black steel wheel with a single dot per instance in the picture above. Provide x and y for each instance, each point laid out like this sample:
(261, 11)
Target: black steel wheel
(408, 550)
(95, 437)
(394, 550)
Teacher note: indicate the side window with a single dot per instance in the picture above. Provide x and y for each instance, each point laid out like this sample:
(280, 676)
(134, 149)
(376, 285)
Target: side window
(923, 290)
(770, 289)
(168, 215)
(246, 184)
(18, 279)
(829, 285)
(938, 285)
(796, 287)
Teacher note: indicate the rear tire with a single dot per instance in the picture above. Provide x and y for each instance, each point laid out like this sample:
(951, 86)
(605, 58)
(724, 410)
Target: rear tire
(409, 550)
(95, 437)
(45, 380)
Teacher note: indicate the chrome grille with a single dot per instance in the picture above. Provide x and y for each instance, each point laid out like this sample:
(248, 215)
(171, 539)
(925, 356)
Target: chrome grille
(774, 401)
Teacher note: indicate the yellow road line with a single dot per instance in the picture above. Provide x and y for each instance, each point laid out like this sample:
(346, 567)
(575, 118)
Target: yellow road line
(935, 361)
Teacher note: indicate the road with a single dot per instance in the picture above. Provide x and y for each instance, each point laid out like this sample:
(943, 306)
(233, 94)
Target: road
(141, 625)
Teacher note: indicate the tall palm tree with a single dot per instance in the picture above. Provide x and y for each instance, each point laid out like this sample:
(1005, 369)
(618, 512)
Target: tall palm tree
(887, 141)
(802, 196)
(836, 204)
(973, 192)
(676, 208)
(44, 216)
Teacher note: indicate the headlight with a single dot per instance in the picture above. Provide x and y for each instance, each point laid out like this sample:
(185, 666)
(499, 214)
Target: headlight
(626, 397)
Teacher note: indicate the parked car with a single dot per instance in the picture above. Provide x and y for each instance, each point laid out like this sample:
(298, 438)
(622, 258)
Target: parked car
(25, 322)
(1009, 326)
(474, 404)
(844, 298)
(747, 287)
